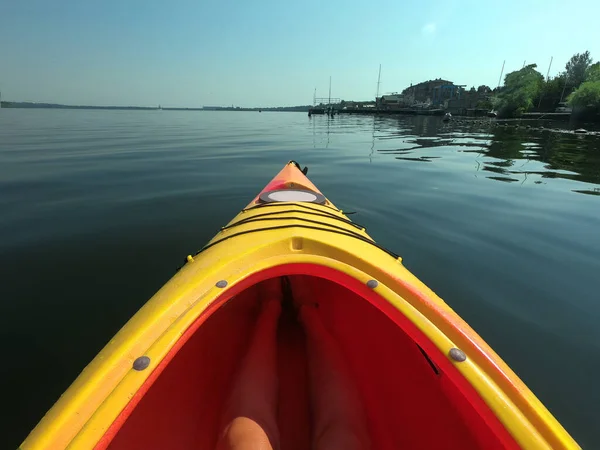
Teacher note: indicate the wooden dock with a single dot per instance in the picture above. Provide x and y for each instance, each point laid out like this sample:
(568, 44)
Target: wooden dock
(405, 111)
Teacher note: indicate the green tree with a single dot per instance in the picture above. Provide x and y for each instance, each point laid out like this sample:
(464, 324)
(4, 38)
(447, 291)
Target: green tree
(588, 94)
(593, 72)
(577, 67)
(554, 86)
(484, 104)
(520, 89)
(550, 93)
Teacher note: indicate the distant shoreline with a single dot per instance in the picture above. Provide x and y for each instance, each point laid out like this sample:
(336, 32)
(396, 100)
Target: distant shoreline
(32, 105)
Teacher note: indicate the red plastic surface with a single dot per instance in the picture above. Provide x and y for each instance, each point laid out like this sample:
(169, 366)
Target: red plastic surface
(407, 404)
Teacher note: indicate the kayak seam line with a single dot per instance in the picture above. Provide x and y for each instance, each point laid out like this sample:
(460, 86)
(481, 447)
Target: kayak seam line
(260, 217)
(310, 227)
(264, 205)
(312, 211)
(250, 220)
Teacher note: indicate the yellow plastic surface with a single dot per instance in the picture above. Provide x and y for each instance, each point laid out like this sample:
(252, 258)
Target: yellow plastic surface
(87, 409)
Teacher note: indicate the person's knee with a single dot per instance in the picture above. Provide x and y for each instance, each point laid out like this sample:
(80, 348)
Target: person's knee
(244, 433)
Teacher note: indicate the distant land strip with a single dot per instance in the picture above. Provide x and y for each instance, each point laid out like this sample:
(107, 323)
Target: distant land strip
(4, 104)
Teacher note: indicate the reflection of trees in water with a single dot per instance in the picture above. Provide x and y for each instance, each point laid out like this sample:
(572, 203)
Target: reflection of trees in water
(502, 151)
(581, 155)
(562, 152)
(565, 155)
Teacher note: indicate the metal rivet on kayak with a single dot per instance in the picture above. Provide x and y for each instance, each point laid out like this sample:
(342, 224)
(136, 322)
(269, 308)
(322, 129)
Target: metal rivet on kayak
(141, 363)
(372, 284)
(221, 284)
(457, 354)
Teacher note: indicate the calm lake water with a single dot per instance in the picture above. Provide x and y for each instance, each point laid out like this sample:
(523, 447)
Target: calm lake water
(99, 208)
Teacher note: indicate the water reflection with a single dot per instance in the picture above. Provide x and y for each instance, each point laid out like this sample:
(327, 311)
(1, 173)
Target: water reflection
(521, 269)
(508, 152)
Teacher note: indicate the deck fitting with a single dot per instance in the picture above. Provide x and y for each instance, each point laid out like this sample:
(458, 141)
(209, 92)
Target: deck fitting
(457, 354)
(141, 363)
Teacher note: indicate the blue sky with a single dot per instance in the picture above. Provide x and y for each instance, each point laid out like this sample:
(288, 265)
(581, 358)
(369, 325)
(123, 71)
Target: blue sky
(261, 53)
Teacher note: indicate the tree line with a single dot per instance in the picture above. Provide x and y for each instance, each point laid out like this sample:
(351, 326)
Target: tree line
(526, 89)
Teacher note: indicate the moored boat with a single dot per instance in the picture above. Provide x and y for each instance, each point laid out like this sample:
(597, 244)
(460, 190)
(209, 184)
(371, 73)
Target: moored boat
(316, 110)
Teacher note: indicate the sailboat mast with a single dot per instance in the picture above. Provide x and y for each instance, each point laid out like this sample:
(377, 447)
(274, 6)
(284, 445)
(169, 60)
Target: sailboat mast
(564, 87)
(329, 90)
(550, 65)
(378, 82)
(501, 72)
(547, 75)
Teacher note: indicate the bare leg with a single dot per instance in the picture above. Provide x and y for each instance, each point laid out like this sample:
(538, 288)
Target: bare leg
(251, 417)
(339, 421)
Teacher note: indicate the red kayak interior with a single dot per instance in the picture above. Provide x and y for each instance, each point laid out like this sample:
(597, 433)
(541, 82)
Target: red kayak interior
(412, 396)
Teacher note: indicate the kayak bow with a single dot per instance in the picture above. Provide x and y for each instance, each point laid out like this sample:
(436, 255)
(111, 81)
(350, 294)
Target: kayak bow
(426, 379)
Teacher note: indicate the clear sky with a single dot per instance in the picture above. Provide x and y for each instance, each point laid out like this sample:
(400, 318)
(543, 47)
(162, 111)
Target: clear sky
(274, 52)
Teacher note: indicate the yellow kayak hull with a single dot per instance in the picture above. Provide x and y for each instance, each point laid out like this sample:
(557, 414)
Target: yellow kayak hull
(288, 238)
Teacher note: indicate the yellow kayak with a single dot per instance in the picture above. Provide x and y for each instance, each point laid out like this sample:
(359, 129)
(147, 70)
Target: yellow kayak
(420, 376)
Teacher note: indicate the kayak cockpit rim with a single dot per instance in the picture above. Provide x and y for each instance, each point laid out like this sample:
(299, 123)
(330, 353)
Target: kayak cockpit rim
(474, 383)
